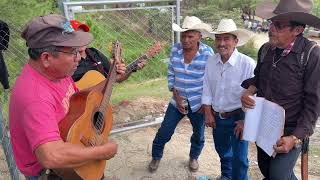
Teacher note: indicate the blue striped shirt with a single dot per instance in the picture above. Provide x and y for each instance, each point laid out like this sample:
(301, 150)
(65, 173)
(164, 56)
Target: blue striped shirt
(187, 79)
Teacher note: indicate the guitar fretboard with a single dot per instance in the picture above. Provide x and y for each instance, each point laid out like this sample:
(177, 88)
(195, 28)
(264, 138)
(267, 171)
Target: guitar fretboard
(134, 65)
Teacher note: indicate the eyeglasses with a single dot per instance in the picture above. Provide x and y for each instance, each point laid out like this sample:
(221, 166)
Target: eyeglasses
(278, 25)
(74, 52)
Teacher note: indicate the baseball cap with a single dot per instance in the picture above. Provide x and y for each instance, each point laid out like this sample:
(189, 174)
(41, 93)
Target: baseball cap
(53, 30)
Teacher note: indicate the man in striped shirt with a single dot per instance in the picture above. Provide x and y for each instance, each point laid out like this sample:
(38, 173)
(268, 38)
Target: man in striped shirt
(185, 77)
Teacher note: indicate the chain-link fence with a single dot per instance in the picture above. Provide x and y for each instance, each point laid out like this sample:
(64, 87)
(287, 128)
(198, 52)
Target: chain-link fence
(136, 24)
(14, 57)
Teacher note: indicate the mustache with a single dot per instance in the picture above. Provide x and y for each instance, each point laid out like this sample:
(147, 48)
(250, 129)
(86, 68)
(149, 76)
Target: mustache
(221, 46)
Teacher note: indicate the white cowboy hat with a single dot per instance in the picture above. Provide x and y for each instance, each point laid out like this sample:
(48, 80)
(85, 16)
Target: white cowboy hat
(192, 23)
(292, 10)
(228, 26)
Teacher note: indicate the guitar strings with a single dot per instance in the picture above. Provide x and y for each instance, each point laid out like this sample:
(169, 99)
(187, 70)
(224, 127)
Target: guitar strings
(100, 119)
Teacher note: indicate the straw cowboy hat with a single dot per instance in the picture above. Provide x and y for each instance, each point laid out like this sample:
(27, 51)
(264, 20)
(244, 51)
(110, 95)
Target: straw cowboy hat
(292, 10)
(192, 23)
(228, 26)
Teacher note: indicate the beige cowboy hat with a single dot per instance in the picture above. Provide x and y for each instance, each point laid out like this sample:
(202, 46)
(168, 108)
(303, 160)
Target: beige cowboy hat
(228, 26)
(292, 10)
(192, 23)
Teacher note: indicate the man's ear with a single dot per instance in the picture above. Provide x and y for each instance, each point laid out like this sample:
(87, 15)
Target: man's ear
(298, 30)
(45, 59)
(200, 35)
(236, 40)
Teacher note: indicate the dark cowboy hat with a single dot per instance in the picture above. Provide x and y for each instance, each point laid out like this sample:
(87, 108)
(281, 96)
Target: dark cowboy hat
(292, 10)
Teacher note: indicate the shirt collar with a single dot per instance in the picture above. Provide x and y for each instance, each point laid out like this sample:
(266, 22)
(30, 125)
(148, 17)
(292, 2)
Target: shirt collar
(298, 44)
(232, 60)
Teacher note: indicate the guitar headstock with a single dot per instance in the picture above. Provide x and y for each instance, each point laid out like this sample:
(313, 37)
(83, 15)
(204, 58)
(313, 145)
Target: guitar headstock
(154, 50)
(116, 52)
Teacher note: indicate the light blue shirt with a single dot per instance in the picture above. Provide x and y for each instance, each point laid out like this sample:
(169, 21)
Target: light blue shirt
(187, 79)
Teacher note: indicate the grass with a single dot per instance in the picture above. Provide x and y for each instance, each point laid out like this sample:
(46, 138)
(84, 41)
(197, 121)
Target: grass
(129, 91)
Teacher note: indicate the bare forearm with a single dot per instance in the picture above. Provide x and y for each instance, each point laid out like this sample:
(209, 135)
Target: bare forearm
(66, 155)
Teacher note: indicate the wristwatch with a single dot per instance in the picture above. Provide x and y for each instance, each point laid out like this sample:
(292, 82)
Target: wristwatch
(297, 141)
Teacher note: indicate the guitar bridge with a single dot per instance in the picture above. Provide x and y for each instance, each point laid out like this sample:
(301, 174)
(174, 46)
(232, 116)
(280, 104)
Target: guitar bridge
(86, 142)
(95, 141)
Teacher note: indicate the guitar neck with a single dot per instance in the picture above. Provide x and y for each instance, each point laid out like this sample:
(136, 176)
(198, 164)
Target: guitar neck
(116, 56)
(134, 65)
(108, 90)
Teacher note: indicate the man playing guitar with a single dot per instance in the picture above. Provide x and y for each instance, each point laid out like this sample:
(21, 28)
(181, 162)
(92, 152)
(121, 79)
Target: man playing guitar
(40, 99)
(93, 59)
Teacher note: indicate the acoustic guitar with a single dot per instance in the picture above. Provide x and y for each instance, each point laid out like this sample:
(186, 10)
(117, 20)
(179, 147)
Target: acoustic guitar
(93, 77)
(89, 121)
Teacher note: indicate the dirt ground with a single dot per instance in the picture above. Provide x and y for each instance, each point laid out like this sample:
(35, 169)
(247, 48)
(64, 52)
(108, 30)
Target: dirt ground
(135, 153)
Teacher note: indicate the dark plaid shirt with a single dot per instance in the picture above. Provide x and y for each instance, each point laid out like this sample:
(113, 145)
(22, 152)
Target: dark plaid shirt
(286, 84)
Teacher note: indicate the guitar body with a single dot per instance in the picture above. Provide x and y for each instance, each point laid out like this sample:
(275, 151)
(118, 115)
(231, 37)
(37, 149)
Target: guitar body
(90, 79)
(80, 127)
(89, 119)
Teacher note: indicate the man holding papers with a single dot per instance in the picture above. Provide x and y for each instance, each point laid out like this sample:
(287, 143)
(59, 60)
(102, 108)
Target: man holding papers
(222, 90)
(287, 74)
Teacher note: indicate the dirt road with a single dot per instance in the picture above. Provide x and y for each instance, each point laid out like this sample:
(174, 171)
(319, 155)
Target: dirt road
(135, 153)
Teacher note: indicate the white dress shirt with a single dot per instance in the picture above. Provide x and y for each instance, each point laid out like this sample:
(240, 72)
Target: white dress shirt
(222, 81)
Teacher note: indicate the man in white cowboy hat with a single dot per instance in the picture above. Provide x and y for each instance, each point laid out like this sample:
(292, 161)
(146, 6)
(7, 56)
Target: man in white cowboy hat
(222, 90)
(185, 78)
(287, 73)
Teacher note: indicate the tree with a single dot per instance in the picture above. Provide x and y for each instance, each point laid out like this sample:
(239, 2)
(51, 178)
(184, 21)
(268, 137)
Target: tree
(316, 8)
(247, 6)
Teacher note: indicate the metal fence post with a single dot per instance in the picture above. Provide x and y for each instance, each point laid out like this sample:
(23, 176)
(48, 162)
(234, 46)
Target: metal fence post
(14, 172)
(178, 19)
(68, 13)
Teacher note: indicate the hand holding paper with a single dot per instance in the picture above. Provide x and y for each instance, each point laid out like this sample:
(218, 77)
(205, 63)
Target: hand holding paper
(264, 124)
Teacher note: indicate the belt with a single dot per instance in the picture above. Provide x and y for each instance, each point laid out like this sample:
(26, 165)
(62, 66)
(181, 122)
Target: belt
(226, 115)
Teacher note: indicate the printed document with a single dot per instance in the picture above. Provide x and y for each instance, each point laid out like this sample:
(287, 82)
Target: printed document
(264, 124)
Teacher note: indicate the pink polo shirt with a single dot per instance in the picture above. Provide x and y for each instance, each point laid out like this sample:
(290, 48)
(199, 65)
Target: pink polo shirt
(36, 107)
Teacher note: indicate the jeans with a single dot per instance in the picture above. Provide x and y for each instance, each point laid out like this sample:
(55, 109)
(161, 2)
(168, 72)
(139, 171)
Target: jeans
(32, 177)
(171, 119)
(232, 151)
(280, 167)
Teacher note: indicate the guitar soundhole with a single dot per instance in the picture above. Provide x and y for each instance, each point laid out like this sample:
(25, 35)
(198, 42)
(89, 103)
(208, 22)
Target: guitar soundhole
(98, 121)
